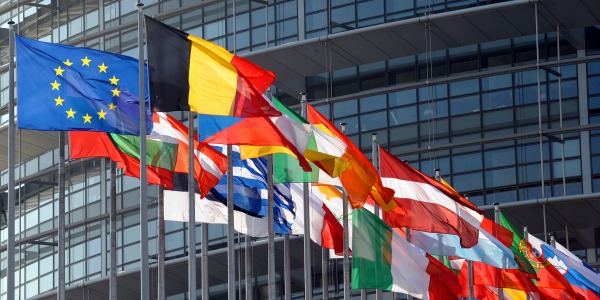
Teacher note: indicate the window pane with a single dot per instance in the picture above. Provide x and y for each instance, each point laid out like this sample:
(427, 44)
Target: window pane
(464, 105)
(464, 87)
(467, 162)
(372, 103)
(404, 115)
(501, 177)
(497, 99)
(467, 182)
(373, 121)
(403, 98)
(346, 108)
(499, 158)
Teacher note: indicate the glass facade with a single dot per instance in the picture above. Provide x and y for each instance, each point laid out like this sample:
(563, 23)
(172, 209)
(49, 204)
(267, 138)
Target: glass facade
(472, 111)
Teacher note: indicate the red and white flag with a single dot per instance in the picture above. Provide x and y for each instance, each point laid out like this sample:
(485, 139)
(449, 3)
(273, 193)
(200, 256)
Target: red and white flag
(426, 204)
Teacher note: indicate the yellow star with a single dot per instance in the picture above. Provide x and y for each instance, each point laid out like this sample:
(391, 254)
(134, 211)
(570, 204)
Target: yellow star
(103, 68)
(59, 71)
(86, 61)
(112, 107)
(87, 119)
(55, 85)
(59, 101)
(102, 114)
(68, 62)
(116, 92)
(70, 113)
(114, 80)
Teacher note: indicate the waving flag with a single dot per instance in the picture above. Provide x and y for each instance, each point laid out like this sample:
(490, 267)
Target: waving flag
(549, 280)
(166, 152)
(584, 281)
(426, 204)
(69, 88)
(325, 229)
(250, 200)
(188, 73)
(360, 179)
(124, 150)
(488, 249)
(488, 276)
(383, 259)
(256, 132)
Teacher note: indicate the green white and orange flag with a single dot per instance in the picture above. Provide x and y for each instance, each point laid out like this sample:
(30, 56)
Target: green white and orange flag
(360, 180)
(383, 259)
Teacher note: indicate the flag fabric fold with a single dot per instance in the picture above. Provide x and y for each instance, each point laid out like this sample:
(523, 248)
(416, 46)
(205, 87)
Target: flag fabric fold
(426, 204)
(254, 132)
(549, 280)
(488, 250)
(582, 279)
(188, 73)
(166, 153)
(383, 259)
(69, 88)
(360, 179)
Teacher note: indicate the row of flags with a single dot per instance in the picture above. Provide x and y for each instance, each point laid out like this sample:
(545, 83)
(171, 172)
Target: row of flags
(95, 95)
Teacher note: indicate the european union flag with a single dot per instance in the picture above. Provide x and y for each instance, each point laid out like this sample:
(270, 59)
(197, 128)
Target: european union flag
(69, 88)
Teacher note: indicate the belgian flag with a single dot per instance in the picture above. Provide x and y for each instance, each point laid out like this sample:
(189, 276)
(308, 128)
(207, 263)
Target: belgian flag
(188, 73)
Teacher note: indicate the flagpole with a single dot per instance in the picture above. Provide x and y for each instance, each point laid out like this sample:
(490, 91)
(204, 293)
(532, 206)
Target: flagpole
(497, 220)
(324, 272)
(113, 231)
(271, 232)
(248, 269)
(144, 269)
(346, 262)
(10, 222)
(287, 278)
(191, 211)
(375, 162)
(204, 249)
(526, 238)
(307, 254)
(161, 243)
(61, 216)
(204, 258)
(230, 229)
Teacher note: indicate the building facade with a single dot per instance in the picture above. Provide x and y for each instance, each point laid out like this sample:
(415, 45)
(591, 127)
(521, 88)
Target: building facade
(465, 86)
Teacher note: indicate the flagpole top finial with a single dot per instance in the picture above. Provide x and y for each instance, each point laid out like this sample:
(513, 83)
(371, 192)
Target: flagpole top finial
(302, 93)
(139, 4)
(11, 22)
(496, 204)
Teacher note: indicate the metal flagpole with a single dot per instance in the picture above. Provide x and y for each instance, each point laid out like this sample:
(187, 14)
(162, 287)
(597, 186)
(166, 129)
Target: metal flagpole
(204, 258)
(287, 278)
(161, 244)
(113, 231)
(271, 231)
(191, 211)
(10, 222)
(375, 162)
(324, 272)
(144, 268)
(497, 220)
(307, 254)
(61, 216)
(471, 280)
(248, 259)
(230, 229)
(204, 250)
(346, 261)
(526, 238)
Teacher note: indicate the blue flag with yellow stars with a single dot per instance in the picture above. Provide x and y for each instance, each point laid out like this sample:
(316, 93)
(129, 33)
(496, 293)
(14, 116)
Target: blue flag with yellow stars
(69, 88)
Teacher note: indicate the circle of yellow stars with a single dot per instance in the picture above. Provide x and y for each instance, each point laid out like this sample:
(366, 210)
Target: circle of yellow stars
(85, 62)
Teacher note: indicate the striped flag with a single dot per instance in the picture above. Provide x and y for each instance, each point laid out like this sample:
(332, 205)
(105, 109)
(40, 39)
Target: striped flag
(426, 204)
